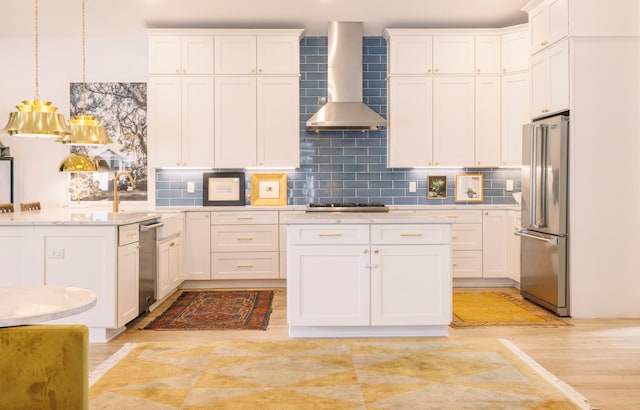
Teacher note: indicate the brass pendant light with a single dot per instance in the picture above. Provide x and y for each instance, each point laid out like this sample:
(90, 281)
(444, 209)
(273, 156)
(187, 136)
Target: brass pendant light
(36, 118)
(78, 163)
(86, 130)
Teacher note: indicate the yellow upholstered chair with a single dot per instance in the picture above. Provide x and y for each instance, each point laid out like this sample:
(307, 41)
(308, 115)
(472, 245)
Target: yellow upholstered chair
(6, 208)
(30, 206)
(44, 367)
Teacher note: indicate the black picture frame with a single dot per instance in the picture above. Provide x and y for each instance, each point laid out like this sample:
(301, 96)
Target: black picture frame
(223, 189)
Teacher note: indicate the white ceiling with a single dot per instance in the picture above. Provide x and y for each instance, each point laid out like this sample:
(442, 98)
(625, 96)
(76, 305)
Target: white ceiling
(124, 17)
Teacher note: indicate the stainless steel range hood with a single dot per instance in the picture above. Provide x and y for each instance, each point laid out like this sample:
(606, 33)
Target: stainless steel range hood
(345, 109)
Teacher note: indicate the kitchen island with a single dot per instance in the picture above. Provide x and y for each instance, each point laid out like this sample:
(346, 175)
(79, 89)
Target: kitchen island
(94, 250)
(368, 275)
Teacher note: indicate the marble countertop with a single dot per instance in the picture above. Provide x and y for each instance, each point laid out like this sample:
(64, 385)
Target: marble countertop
(72, 217)
(22, 305)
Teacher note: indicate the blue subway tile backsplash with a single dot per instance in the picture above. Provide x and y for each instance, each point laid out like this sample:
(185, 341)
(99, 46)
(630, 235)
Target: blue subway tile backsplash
(345, 166)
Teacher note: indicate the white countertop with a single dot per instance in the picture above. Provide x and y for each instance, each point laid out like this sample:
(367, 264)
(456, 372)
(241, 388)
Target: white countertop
(22, 305)
(362, 218)
(71, 216)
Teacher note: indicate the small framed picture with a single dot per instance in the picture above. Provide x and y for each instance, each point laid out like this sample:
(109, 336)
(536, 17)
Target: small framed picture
(437, 185)
(223, 188)
(269, 189)
(468, 188)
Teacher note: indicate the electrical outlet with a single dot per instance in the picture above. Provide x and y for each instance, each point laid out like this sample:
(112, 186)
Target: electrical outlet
(191, 187)
(55, 253)
(413, 186)
(509, 184)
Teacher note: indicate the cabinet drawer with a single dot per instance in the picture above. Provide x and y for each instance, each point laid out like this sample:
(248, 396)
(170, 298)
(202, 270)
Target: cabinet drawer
(466, 237)
(456, 216)
(410, 234)
(245, 265)
(328, 235)
(128, 234)
(233, 238)
(244, 218)
(466, 264)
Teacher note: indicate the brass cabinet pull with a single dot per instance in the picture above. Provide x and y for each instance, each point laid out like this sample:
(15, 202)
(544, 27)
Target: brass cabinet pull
(411, 234)
(244, 238)
(330, 234)
(248, 265)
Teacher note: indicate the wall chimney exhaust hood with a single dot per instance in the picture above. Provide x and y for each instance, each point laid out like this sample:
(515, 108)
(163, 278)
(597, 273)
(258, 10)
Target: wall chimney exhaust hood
(345, 109)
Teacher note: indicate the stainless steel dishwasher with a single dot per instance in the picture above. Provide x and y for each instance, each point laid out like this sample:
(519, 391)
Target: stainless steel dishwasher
(148, 263)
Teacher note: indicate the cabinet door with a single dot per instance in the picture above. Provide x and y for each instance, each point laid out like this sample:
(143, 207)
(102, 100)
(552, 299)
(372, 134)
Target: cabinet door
(487, 116)
(453, 121)
(514, 246)
(410, 54)
(197, 122)
(278, 55)
(410, 122)
(16, 253)
(244, 265)
(128, 283)
(550, 80)
(278, 122)
(548, 24)
(453, 54)
(321, 273)
(487, 53)
(515, 113)
(169, 266)
(197, 55)
(466, 264)
(165, 121)
(197, 252)
(165, 55)
(410, 285)
(515, 52)
(495, 244)
(235, 122)
(235, 54)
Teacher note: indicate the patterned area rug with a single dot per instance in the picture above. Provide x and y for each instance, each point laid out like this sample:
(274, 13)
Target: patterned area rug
(499, 309)
(427, 373)
(216, 310)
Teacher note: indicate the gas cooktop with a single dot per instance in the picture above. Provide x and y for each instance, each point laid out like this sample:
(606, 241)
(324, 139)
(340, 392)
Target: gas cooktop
(347, 207)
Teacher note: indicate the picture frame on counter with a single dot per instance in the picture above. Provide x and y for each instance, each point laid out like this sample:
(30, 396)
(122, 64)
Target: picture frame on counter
(269, 189)
(469, 188)
(223, 189)
(437, 187)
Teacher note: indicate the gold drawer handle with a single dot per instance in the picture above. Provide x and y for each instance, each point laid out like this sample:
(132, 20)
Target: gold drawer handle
(244, 238)
(244, 218)
(411, 234)
(245, 266)
(330, 234)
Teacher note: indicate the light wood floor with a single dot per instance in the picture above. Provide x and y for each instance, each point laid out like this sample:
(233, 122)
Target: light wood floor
(599, 358)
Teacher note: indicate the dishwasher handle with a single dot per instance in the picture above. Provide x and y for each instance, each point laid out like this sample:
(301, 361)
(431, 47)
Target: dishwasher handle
(155, 225)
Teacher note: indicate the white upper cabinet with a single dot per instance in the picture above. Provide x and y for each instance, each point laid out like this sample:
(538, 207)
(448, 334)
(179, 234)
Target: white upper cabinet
(182, 55)
(548, 23)
(550, 80)
(410, 54)
(487, 54)
(250, 54)
(515, 113)
(453, 54)
(515, 51)
(487, 121)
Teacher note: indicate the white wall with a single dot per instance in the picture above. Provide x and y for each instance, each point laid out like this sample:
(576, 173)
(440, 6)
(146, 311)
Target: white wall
(605, 181)
(108, 59)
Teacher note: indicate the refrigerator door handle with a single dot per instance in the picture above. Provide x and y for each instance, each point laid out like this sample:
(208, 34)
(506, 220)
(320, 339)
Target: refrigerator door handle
(544, 164)
(526, 234)
(532, 176)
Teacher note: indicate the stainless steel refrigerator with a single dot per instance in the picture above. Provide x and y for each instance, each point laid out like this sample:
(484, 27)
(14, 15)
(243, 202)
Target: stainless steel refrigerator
(544, 271)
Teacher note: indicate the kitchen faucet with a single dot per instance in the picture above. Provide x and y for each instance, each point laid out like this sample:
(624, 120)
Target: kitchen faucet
(116, 198)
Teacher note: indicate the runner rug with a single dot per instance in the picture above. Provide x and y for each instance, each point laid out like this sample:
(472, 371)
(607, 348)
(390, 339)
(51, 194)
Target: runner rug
(216, 310)
(496, 308)
(427, 373)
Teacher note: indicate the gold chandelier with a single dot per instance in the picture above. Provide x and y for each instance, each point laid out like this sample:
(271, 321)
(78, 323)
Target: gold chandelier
(36, 118)
(86, 130)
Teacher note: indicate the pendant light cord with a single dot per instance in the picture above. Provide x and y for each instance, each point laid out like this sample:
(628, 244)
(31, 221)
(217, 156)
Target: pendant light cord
(84, 69)
(37, 96)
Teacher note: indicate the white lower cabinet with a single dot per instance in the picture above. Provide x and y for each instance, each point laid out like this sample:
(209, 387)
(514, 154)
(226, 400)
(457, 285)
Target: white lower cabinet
(128, 283)
(495, 244)
(514, 245)
(366, 280)
(197, 252)
(17, 255)
(169, 266)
